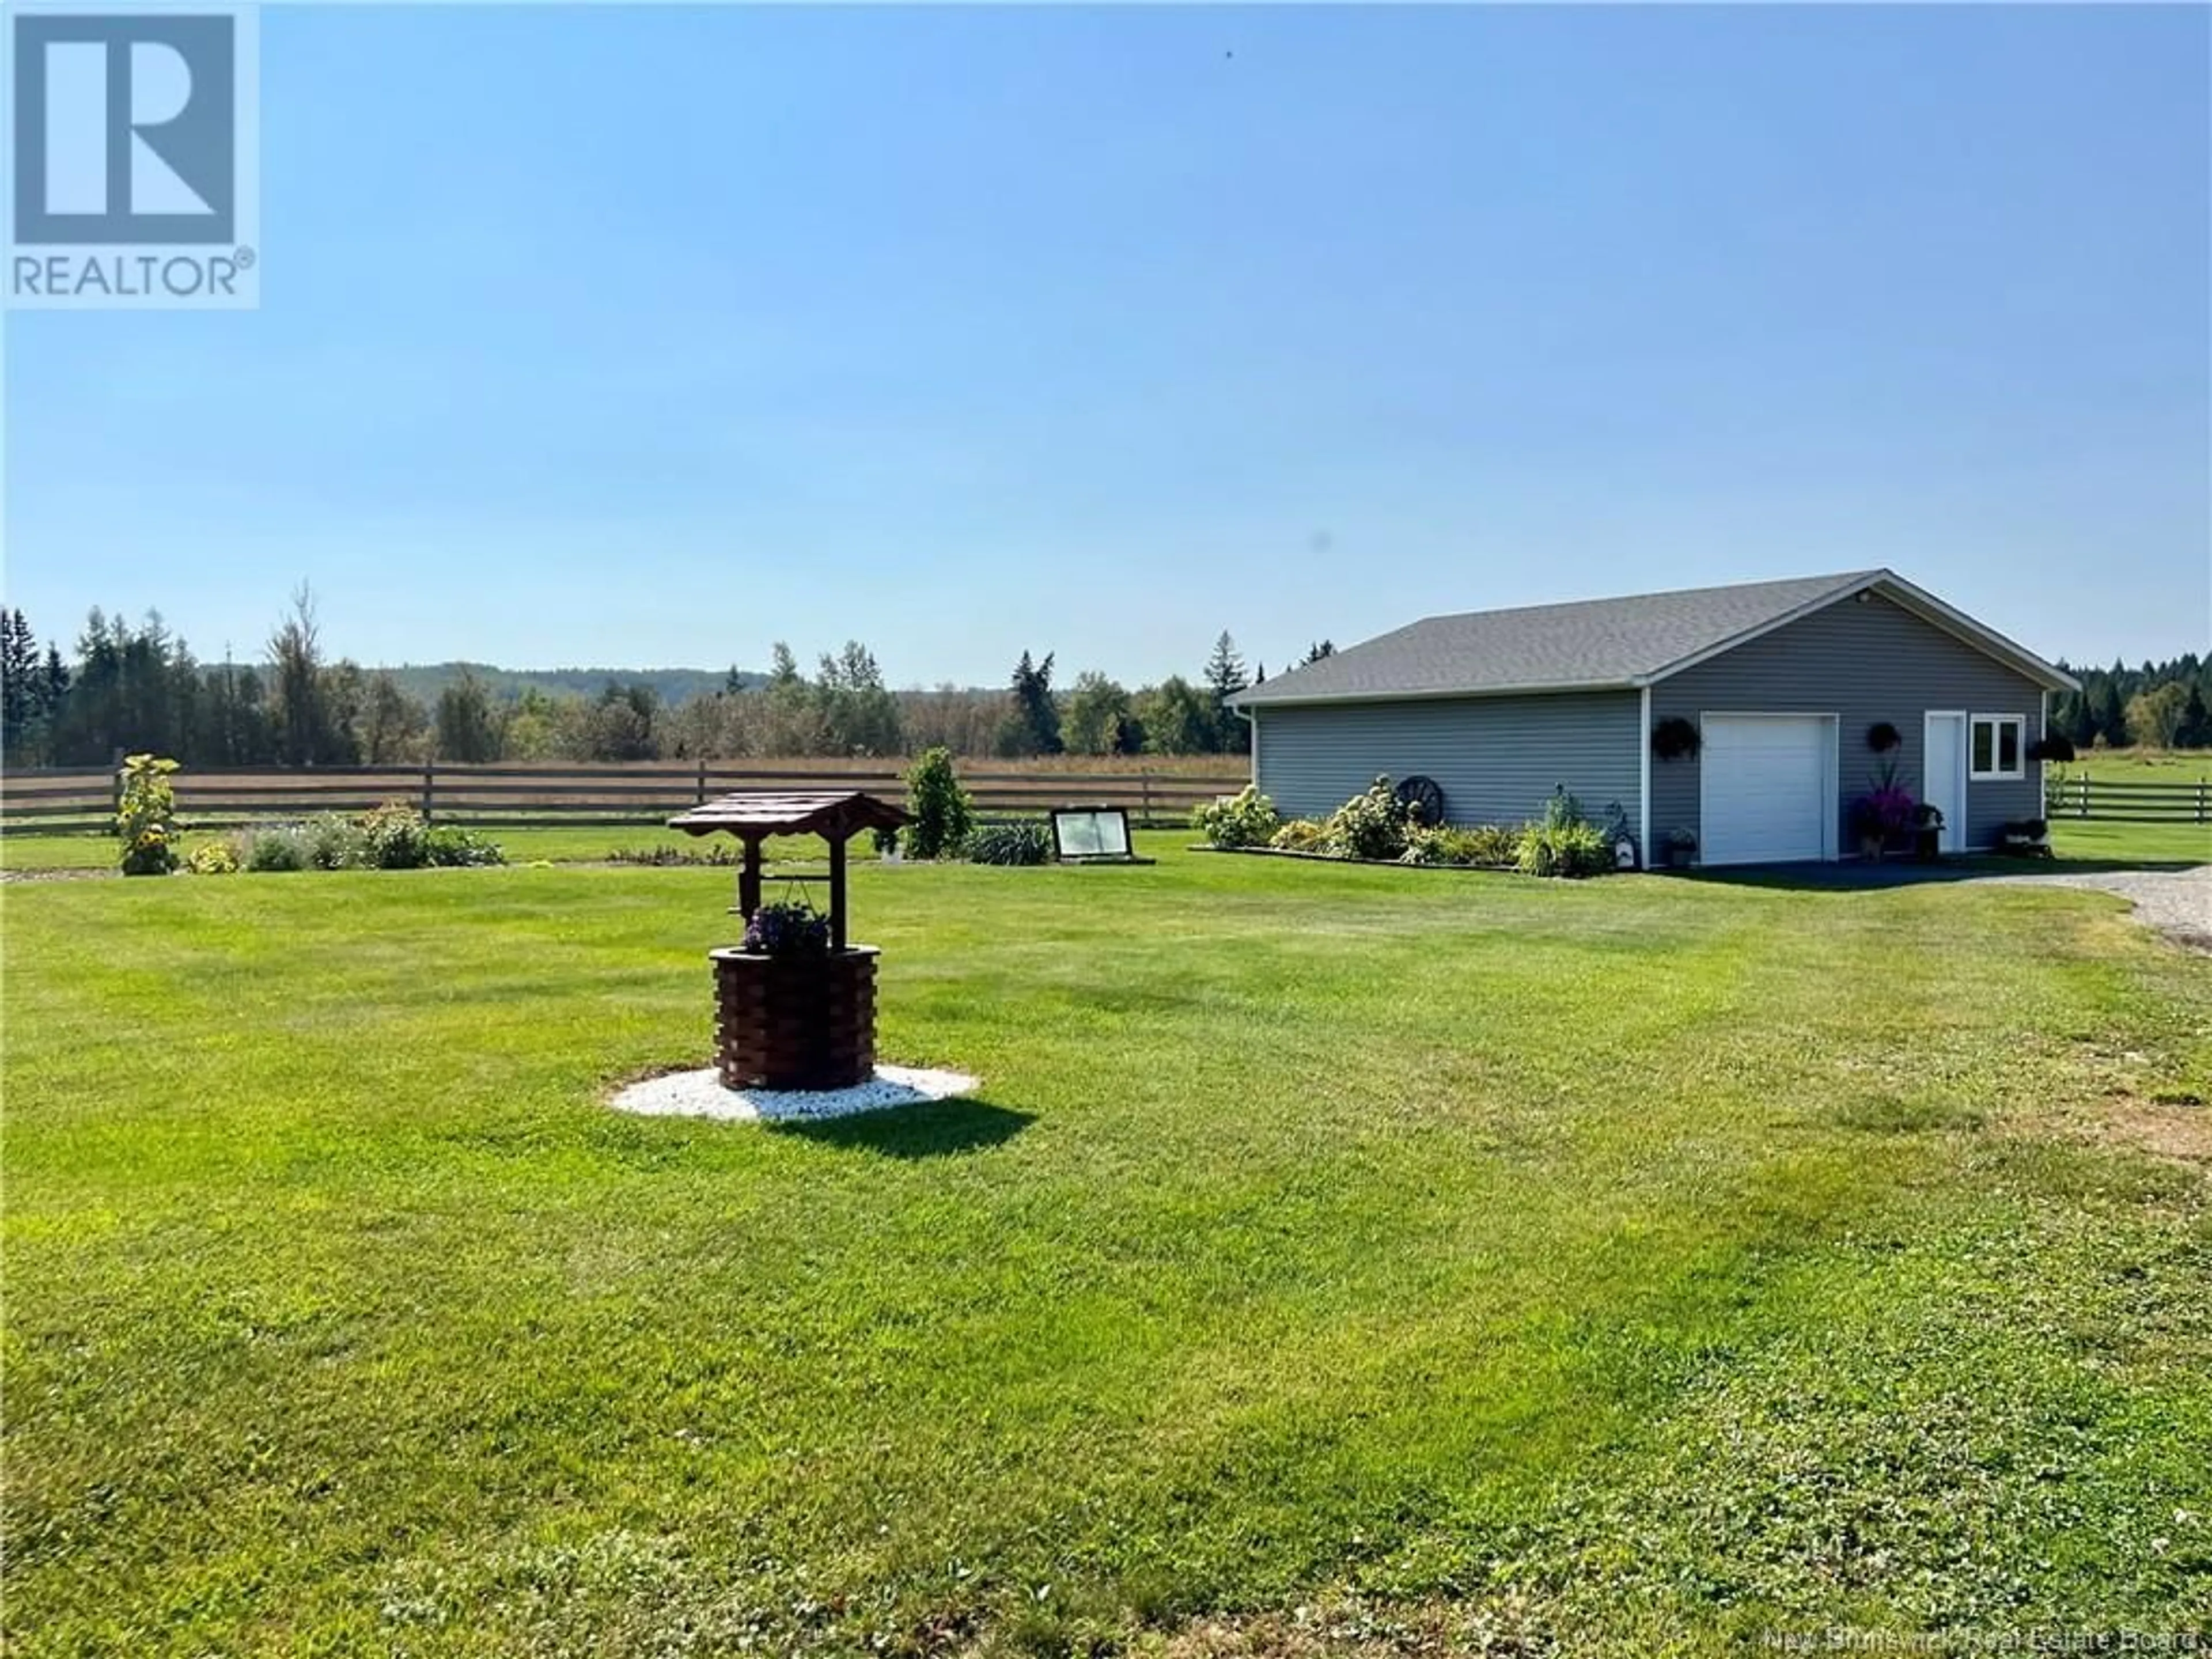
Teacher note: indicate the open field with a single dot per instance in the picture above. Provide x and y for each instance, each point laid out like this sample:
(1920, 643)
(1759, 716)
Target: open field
(1631, 1268)
(2143, 765)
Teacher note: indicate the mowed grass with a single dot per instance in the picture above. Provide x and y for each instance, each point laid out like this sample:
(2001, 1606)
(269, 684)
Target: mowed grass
(1628, 1268)
(2090, 839)
(561, 844)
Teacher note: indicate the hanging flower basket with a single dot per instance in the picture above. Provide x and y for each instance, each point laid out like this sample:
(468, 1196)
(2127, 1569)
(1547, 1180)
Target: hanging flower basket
(1676, 738)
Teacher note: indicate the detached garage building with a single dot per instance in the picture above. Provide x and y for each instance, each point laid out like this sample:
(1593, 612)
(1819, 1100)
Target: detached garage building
(1783, 681)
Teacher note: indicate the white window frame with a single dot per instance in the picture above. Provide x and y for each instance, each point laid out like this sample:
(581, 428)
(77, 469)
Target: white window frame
(1996, 774)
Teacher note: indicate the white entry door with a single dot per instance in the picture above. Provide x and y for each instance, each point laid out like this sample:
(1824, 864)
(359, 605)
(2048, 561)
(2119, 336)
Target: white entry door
(1767, 789)
(1943, 773)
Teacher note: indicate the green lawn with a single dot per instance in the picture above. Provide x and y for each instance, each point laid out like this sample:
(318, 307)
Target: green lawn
(2191, 842)
(2125, 842)
(563, 844)
(1630, 1267)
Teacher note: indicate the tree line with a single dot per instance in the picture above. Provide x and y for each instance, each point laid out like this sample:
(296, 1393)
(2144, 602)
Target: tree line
(125, 688)
(2160, 705)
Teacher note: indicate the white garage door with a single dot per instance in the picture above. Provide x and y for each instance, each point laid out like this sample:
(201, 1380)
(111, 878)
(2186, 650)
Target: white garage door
(1766, 789)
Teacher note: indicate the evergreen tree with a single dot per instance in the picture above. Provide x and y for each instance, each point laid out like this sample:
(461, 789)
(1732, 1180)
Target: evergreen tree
(1032, 725)
(295, 656)
(2196, 722)
(1224, 678)
(22, 687)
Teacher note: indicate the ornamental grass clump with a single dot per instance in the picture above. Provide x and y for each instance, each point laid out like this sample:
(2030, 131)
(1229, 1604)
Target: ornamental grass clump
(1009, 843)
(1566, 843)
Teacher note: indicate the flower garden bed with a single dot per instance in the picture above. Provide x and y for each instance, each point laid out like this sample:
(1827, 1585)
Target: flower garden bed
(1334, 858)
(1403, 825)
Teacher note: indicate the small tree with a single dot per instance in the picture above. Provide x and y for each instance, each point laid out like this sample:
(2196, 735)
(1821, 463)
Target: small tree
(2155, 717)
(939, 807)
(146, 821)
(1096, 711)
(1177, 719)
(467, 729)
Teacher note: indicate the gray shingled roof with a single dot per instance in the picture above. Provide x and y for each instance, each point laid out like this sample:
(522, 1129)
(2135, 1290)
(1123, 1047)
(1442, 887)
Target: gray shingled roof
(1550, 647)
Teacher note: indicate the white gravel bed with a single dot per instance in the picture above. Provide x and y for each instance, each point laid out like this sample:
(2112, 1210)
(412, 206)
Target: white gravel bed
(700, 1094)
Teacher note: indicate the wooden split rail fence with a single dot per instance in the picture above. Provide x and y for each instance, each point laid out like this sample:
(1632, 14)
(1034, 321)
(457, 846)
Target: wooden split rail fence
(2112, 800)
(85, 797)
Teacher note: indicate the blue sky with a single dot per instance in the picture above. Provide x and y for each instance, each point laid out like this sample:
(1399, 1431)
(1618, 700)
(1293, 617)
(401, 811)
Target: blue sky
(649, 337)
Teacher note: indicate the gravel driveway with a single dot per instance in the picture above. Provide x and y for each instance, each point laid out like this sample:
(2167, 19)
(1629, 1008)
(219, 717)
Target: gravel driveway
(2177, 902)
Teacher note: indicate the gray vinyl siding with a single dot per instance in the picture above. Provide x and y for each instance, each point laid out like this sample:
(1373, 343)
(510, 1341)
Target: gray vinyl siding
(1862, 663)
(1496, 758)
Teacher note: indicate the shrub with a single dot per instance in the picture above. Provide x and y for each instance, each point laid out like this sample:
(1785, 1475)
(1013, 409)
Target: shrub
(448, 848)
(392, 836)
(1882, 737)
(1247, 818)
(939, 807)
(1009, 843)
(789, 928)
(146, 818)
(281, 846)
(2052, 747)
(333, 841)
(1369, 826)
(217, 858)
(1301, 835)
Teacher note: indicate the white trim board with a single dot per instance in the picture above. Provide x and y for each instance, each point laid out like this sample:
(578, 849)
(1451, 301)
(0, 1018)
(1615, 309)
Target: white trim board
(1643, 783)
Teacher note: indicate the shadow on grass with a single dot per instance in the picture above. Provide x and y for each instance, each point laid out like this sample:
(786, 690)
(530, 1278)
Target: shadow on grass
(941, 1128)
(1906, 872)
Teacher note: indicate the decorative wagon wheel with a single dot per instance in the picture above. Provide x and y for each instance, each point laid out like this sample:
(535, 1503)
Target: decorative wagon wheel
(1422, 800)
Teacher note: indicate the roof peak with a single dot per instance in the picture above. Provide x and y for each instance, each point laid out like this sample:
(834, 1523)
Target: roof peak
(1837, 579)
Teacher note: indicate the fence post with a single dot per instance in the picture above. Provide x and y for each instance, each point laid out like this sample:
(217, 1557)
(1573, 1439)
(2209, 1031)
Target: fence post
(1144, 817)
(2081, 793)
(430, 790)
(703, 782)
(115, 790)
(2201, 817)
